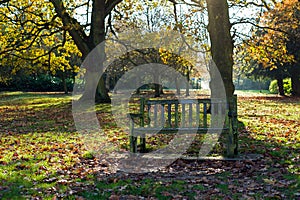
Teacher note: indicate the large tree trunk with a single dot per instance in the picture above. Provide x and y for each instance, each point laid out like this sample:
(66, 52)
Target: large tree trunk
(222, 52)
(97, 36)
(86, 43)
(221, 44)
(296, 84)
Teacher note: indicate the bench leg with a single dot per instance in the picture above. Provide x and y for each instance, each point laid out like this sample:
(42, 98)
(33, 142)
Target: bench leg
(230, 141)
(143, 143)
(132, 139)
(133, 144)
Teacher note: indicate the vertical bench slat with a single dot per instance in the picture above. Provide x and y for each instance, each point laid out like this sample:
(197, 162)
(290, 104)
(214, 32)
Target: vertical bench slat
(169, 115)
(197, 114)
(205, 115)
(182, 115)
(142, 110)
(155, 115)
(176, 114)
(190, 114)
(148, 114)
(162, 115)
(220, 113)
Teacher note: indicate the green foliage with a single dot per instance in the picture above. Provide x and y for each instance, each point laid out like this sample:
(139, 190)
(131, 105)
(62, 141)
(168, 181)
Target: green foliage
(37, 83)
(287, 86)
(251, 84)
(33, 43)
(273, 88)
(273, 50)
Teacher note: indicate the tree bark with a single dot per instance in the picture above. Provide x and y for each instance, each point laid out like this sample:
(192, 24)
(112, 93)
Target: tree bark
(86, 43)
(295, 84)
(97, 36)
(221, 44)
(280, 86)
(177, 86)
(64, 83)
(187, 84)
(222, 54)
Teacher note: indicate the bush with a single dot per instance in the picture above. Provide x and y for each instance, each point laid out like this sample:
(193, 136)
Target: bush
(287, 86)
(273, 88)
(40, 83)
(251, 84)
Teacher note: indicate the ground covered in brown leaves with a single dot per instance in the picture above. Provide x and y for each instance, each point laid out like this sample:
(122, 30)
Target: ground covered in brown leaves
(43, 157)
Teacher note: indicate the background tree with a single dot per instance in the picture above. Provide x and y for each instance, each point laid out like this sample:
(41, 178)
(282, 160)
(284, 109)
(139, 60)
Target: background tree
(60, 17)
(275, 43)
(31, 39)
(221, 43)
(86, 42)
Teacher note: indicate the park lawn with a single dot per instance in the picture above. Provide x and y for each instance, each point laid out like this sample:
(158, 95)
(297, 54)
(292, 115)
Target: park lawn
(42, 156)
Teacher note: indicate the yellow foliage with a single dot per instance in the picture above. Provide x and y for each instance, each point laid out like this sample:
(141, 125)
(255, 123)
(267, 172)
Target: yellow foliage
(28, 33)
(270, 47)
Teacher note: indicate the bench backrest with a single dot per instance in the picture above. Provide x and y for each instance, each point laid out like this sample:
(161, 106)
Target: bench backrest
(187, 113)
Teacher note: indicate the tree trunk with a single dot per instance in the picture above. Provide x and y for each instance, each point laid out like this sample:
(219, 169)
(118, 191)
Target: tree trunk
(64, 82)
(107, 82)
(222, 52)
(90, 86)
(177, 86)
(102, 92)
(295, 84)
(156, 90)
(221, 44)
(161, 89)
(85, 43)
(280, 86)
(156, 85)
(187, 86)
(98, 36)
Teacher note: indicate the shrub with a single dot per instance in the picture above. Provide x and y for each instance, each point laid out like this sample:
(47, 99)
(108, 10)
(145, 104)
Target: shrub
(273, 88)
(287, 86)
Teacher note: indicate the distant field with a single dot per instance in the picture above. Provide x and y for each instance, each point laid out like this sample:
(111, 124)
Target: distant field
(253, 93)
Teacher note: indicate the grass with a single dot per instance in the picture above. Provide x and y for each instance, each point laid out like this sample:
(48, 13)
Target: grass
(42, 155)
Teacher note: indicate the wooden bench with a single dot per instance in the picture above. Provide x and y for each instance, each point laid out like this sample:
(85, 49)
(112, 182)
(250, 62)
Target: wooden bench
(161, 116)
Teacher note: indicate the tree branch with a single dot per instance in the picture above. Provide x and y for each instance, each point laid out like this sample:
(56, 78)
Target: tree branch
(110, 5)
(258, 26)
(76, 30)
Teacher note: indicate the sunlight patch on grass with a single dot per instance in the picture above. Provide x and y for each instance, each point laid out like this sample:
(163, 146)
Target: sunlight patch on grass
(38, 140)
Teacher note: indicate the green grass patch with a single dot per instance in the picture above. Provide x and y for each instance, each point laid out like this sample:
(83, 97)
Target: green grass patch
(42, 155)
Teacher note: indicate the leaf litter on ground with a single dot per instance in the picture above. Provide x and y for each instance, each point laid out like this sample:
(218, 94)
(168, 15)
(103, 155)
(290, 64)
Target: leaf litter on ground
(42, 156)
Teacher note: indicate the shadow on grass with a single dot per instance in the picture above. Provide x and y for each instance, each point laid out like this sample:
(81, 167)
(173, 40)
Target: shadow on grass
(35, 112)
(48, 168)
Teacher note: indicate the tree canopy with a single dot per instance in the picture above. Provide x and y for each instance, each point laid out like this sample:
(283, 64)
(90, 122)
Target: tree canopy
(50, 36)
(274, 45)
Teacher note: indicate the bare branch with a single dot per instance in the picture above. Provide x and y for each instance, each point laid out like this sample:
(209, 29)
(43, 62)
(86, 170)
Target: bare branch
(259, 26)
